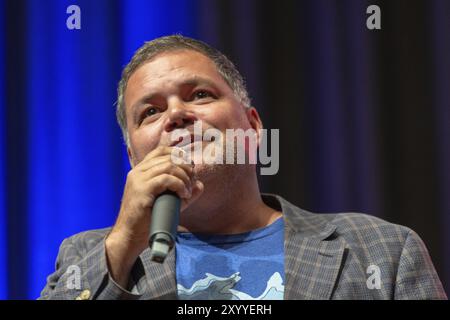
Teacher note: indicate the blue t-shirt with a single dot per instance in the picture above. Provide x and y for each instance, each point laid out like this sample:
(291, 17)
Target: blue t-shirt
(241, 266)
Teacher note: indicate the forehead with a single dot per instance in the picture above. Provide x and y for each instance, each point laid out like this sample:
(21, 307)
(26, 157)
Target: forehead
(174, 65)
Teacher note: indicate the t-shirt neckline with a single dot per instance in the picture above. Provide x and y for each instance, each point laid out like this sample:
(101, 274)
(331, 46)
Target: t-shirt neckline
(198, 239)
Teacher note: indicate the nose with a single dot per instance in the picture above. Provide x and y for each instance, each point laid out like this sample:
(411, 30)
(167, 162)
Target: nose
(178, 115)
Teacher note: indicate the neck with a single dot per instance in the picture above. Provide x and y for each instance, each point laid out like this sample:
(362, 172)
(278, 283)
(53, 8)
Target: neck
(228, 208)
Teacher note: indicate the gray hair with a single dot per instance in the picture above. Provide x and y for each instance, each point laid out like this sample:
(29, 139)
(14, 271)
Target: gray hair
(171, 43)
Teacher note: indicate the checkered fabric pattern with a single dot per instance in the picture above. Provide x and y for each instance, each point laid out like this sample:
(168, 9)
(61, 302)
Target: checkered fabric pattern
(327, 256)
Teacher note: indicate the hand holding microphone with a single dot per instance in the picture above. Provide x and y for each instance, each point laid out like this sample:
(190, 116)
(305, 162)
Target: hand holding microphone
(155, 175)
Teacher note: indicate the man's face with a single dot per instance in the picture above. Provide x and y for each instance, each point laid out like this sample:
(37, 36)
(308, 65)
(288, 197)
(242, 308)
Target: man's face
(173, 91)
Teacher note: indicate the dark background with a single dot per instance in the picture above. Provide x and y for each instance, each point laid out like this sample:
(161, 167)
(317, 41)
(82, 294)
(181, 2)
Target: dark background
(364, 115)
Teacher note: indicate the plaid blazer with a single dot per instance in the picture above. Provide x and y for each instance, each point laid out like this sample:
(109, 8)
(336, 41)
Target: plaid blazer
(327, 256)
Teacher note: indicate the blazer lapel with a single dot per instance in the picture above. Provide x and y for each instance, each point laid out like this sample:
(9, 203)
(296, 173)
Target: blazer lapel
(313, 256)
(312, 265)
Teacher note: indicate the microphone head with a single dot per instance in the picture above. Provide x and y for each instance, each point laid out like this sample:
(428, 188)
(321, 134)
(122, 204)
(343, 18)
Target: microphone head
(160, 247)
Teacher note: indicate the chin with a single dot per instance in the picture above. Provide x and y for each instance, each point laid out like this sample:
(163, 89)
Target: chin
(205, 172)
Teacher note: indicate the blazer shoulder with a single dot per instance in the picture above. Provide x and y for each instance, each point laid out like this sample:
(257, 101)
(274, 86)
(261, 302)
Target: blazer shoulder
(353, 226)
(86, 240)
(369, 230)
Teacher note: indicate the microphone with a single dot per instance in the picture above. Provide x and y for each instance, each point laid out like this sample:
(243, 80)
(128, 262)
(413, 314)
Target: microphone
(163, 227)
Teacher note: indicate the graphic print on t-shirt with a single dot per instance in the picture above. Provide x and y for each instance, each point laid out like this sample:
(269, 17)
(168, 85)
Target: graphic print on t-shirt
(246, 266)
(218, 288)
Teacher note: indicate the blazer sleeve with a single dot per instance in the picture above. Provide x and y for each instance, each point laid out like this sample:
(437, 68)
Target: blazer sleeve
(83, 275)
(417, 278)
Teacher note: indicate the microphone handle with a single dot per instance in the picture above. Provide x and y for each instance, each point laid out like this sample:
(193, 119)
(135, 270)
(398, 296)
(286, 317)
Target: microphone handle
(163, 227)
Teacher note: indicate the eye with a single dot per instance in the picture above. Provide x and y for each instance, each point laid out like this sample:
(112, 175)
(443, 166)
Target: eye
(201, 94)
(149, 112)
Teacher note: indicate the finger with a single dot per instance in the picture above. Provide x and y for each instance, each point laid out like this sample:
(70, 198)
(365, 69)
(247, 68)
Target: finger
(197, 191)
(174, 151)
(165, 182)
(171, 169)
(159, 151)
(177, 155)
(188, 168)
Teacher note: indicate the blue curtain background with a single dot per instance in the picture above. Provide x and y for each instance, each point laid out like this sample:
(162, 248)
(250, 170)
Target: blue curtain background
(3, 243)
(364, 116)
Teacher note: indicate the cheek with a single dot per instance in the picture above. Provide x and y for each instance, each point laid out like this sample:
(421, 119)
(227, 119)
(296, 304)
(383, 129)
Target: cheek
(143, 141)
(251, 148)
(226, 117)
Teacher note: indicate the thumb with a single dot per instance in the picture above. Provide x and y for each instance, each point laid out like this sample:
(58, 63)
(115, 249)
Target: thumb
(197, 190)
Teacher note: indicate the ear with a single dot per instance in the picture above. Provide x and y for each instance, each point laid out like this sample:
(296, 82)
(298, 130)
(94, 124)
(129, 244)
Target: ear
(255, 122)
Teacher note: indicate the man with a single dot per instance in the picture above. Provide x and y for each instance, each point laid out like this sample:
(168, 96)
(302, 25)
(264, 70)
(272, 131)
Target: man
(232, 242)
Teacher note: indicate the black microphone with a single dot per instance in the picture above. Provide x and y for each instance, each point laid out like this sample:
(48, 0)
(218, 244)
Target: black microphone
(163, 227)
